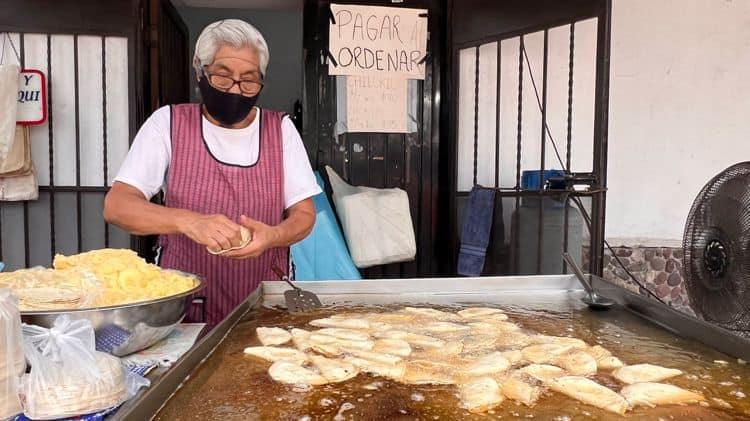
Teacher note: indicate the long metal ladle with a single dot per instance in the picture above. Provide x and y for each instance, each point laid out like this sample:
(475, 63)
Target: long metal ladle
(592, 299)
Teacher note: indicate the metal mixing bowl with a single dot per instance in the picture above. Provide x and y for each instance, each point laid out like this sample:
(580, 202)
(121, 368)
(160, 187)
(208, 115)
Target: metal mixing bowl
(128, 328)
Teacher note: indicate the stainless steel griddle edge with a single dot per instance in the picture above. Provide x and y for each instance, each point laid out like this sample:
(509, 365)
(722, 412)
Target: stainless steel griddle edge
(167, 382)
(677, 322)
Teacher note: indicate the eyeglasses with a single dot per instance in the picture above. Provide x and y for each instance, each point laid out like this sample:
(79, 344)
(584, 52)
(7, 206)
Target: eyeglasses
(225, 83)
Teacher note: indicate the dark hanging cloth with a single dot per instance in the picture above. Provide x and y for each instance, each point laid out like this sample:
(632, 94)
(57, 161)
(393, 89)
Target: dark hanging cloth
(475, 234)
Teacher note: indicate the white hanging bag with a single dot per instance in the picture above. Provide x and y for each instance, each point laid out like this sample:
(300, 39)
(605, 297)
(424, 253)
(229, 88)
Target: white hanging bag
(376, 222)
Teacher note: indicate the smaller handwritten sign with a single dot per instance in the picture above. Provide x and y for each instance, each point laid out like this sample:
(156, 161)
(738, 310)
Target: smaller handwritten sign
(32, 97)
(376, 103)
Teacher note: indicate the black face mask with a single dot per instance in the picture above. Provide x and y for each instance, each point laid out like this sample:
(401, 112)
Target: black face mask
(227, 108)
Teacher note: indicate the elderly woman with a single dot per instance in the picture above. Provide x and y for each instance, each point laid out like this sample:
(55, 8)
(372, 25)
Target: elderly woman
(223, 165)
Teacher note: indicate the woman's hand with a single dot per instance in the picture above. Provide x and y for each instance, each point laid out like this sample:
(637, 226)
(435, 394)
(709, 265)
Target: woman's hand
(264, 237)
(217, 232)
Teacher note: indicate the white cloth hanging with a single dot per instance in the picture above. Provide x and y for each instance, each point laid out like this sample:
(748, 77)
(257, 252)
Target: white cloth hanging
(9, 73)
(18, 161)
(17, 178)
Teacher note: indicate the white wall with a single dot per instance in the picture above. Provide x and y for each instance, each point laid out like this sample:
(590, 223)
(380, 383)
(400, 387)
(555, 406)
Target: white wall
(679, 109)
(679, 102)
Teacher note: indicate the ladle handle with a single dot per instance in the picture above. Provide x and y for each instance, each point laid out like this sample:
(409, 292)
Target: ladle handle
(282, 276)
(579, 274)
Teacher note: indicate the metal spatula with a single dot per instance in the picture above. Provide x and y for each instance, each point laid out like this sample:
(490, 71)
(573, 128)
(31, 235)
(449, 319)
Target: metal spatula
(296, 298)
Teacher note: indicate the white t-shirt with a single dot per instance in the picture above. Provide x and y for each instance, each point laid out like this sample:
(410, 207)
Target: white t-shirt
(145, 166)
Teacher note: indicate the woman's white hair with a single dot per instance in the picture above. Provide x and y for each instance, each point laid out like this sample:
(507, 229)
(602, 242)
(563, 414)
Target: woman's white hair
(234, 32)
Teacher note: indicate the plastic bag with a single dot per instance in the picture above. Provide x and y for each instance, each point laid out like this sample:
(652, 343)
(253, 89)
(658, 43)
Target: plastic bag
(376, 222)
(323, 254)
(12, 361)
(68, 376)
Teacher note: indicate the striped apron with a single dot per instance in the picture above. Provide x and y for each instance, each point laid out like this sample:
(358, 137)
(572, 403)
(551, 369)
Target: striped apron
(197, 181)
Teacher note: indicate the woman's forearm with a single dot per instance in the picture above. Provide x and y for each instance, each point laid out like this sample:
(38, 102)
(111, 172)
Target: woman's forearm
(126, 207)
(297, 225)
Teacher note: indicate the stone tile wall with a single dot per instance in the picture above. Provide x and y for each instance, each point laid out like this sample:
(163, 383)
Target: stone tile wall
(658, 268)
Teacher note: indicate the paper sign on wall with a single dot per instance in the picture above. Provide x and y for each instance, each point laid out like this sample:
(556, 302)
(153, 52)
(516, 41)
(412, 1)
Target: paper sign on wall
(367, 40)
(32, 97)
(376, 103)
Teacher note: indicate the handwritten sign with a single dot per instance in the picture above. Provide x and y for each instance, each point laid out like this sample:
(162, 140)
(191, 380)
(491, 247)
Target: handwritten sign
(376, 103)
(32, 97)
(367, 40)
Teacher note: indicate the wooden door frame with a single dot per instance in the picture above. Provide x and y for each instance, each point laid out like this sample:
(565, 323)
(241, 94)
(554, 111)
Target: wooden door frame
(155, 10)
(153, 76)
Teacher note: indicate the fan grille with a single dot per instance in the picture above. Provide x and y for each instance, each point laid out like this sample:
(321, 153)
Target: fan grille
(716, 250)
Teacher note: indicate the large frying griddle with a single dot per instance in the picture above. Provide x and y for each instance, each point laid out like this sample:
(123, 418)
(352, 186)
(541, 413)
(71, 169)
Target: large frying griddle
(558, 292)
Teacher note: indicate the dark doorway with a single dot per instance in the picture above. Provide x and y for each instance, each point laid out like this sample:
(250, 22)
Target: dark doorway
(407, 161)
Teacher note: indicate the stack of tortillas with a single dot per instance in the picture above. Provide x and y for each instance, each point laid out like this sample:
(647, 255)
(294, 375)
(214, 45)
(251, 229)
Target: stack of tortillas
(247, 237)
(47, 289)
(12, 361)
(48, 298)
(73, 394)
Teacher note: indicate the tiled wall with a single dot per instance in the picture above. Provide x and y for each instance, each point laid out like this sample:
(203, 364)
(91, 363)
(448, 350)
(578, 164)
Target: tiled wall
(658, 268)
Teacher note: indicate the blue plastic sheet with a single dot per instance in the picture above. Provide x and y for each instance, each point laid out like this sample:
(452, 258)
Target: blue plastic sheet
(323, 255)
(110, 338)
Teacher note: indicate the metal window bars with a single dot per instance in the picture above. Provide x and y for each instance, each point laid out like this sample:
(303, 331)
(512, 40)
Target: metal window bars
(540, 197)
(69, 217)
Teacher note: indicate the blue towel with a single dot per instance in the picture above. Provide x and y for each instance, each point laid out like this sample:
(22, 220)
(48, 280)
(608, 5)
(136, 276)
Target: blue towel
(323, 255)
(498, 253)
(475, 235)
